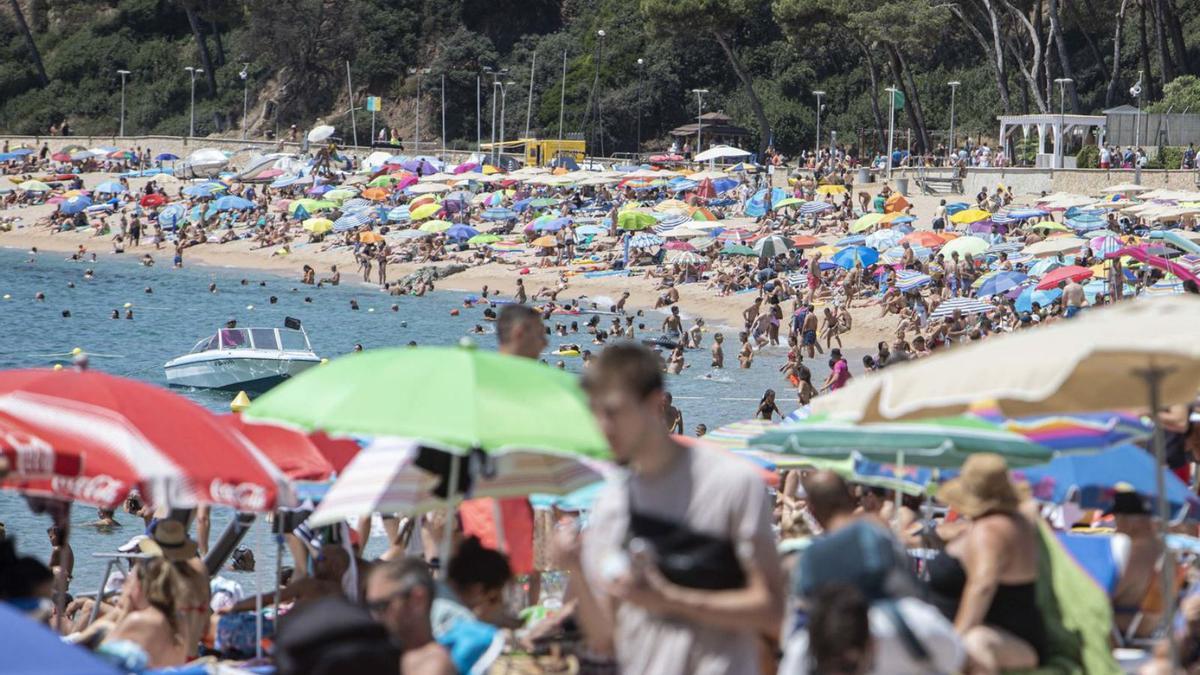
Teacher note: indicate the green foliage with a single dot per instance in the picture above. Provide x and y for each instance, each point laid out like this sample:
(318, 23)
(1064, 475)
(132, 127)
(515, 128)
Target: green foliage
(1167, 158)
(1088, 157)
(1182, 93)
(297, 51)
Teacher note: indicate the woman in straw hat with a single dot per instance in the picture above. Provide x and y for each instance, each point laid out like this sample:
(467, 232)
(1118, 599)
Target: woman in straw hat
(985, 580)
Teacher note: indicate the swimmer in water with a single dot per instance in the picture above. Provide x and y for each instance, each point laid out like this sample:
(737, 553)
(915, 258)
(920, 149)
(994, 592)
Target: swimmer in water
(70, 284)
(66, 313)
(212, 288)
(307, 299)
(358, 347)
(478, 330)
(116, 314)
(273, 300)
(39, 296)
(149, 290)
(395, 308)
(354, 304)
(89, 274)
(129, 314)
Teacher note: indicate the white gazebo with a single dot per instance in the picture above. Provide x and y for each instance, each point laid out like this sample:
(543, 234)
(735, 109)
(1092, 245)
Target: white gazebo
(1056, 126)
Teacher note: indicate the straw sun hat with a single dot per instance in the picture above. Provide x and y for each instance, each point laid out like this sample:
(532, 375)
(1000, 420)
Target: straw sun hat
(981, 487)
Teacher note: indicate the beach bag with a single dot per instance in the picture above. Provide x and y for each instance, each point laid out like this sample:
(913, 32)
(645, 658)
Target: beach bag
(863, 555)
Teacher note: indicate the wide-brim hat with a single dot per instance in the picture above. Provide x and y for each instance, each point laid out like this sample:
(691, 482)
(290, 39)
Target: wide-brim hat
(169, 540)
(981, 487)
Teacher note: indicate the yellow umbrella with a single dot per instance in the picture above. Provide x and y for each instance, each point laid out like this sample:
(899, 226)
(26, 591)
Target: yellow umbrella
(831, 190)
(866, 222)
(545, 242)
(968, 216)
(371, 237)
(1049, 225)
(827, 250)
(671, 205)
(435, 226)
(318, 225)
(424, 211)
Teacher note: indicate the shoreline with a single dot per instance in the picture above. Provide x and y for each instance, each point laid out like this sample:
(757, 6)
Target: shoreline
(723, 314)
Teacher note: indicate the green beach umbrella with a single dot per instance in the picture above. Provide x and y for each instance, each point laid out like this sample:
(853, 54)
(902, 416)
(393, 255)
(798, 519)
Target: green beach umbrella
(457, 399)
(937, 442)
(737, 249)
(635, 220)
(339, 195)
(311, 205)
(484, 239)
(434, 226)
(383, 181)
(33, 186)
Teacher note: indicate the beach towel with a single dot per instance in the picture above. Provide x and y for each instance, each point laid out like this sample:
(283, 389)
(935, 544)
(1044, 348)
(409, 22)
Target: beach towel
(1076, 612)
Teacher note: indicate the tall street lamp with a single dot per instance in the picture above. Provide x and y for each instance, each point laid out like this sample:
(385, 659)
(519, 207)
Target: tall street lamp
(192, 117)
(699, 113)
(641, 63)
(818, 93)
(892, 91)
(599, 105)
(503, 101)
(953, 89)
(496, 75)
(418, 72)
(245, 75)
(122, 73)
(1062, 83)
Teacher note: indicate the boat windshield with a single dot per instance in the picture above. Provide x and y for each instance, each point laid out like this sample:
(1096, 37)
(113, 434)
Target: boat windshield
(234, 338)
(293, 340)
(264, 338)
(206, 344)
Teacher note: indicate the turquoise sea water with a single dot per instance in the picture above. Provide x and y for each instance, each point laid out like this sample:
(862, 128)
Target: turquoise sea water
(181, 310)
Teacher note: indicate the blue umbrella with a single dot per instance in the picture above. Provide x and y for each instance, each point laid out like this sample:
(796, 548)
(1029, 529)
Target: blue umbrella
(1030, 295)
(22, 152)
(552, 224)
(499, 213)
(757, 205)
(590, 230)
(724, 185)
(206, 189)
(645, 240)
(110, 187)
(847, 257)
(74, 205)
(521, 204)
(852, 240)
(301, 214)
(284, 181)
(351, 221)
(165, 157)
(954, 207)
(399, 214)
(37, 649)
(1091, 480)
(813, 208)
(884, 239)
(232, 203)
(999, 283)
(462, 232)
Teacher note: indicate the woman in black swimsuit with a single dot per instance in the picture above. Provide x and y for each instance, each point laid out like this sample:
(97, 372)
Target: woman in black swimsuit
(986, 579)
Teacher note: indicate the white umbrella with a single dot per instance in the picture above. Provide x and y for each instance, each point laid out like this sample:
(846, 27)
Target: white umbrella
(320, 133)
(685, 258)
(385, 478)
(1054, 246)
(721, 152)
(963, 305)
(424, 188)
(1124, 188)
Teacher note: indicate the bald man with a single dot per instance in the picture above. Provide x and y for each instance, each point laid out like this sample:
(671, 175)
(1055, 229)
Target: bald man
(520, 332)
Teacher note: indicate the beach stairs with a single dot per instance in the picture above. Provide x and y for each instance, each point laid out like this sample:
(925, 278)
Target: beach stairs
(939, 185)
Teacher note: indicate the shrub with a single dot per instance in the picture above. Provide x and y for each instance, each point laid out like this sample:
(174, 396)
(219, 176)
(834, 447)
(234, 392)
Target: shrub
(1088, 157)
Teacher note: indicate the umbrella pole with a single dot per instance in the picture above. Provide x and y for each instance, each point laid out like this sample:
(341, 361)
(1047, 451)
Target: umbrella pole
(899, 481)
(1153, 377)
(448, 528)
(258, 598)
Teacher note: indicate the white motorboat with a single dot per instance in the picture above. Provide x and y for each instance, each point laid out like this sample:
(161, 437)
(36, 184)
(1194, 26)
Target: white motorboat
(244, 359)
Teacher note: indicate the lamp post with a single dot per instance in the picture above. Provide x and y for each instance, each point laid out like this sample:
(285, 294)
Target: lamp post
(192, 117)
(599, 106)
(641, 63)
(443, 116)
(892, 91)
(418, 72)
(122, 73)
(245, 75)
(503, 104)
(1062, 83)
(818, 93)
(953, 89)
(699, 112)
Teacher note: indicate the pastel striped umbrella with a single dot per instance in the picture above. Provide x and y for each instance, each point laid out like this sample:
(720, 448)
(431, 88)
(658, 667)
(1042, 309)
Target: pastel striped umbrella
(737, 435)
(963, 305)
(909, 280)
(1105, 245)
(645, 240)
(813, 208)
(1077, 432)
(1169, 286)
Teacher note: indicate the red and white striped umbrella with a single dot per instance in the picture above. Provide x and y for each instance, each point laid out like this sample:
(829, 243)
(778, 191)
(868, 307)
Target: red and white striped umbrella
(127, 434)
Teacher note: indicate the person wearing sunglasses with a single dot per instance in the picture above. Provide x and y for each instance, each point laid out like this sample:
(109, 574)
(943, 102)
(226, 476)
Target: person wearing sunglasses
(399, 595)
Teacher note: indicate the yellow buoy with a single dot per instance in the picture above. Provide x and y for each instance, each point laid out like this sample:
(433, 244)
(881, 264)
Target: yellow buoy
(239, 402)
(77, 351)
(128, 305)
(58, 366)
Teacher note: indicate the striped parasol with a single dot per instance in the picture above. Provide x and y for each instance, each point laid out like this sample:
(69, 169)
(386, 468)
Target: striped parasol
(645, 240)
(685, 258)
(1168, 286)
(813, 208)
(909, 280)
(1105, 246)
(737, 435)
(964, 305)
(351, 221)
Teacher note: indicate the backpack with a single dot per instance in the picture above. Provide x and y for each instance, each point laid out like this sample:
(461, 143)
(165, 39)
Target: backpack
(862, 554)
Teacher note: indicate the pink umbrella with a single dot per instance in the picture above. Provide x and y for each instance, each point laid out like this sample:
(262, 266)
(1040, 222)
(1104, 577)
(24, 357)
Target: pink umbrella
(1157, 262)
(677, 245)
(1055, 276)
(465, 167)
(735, 236)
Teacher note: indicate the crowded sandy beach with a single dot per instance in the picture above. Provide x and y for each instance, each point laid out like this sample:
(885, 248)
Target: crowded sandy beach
(1001, 479)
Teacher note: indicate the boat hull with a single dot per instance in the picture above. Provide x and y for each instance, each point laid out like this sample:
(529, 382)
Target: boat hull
(235, 372)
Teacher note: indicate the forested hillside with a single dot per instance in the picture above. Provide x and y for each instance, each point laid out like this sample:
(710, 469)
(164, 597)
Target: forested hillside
(760, 61)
